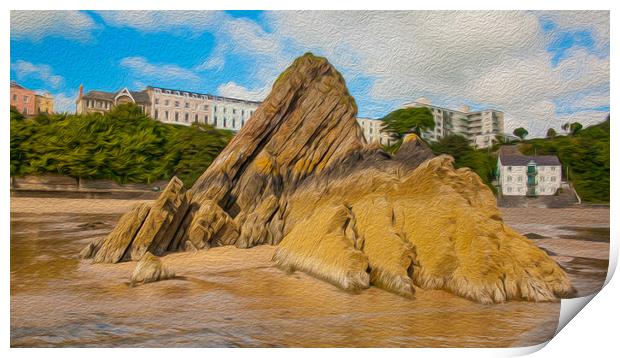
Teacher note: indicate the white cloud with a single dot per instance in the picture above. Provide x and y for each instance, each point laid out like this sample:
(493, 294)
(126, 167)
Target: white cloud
(140, 67)
(490, 58)
(163, 21)
(36, 25)
(24, 70)
(233, 90)
(64, 102)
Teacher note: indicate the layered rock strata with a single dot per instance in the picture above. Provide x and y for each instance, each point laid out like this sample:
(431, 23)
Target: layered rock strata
(300, 175)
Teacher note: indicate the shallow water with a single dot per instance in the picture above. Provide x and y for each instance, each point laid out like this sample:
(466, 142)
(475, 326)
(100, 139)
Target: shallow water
(228, 297)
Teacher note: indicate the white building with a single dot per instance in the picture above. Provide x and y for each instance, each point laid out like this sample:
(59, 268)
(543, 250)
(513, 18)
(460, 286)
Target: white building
(372, 129)
(528, 175)
(184, 107)
(481, 128)
(173, 106)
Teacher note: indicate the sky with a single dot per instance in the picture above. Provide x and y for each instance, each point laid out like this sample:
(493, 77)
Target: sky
(542, 69)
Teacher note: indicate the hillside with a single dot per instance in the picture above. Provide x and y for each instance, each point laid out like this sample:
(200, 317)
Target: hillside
(586, 154)
(124, 145)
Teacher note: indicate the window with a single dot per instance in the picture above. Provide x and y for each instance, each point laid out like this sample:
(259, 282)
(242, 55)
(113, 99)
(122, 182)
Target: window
(214, 108)
(542, 179)
(509, 178)
(176, 103)
(224, 121)
(509, 169)
(206, 107)
(234, 112)
(233, 123)
(242, 123)
(224, 110)
(552, 178)
(552, 169)
(215, 121)
(509, 189)
(166, 115)
(156, 100)
(14, 98)
(206, 119)
(25, 99)
(242, 112)
(519, 179)
(186, 117)
(167, 102)
(176, 116)
(186, 104)
(196, 118)
(156, 115)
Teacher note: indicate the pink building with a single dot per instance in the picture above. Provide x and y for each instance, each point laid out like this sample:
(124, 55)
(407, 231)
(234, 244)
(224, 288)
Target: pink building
(23, 99)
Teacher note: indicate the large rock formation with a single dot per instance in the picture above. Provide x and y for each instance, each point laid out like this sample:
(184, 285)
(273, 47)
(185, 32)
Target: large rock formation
(300, 175)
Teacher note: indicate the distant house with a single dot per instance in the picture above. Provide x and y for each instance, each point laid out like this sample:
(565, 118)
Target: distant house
(528, 175)
(23, 99)
(101, 102)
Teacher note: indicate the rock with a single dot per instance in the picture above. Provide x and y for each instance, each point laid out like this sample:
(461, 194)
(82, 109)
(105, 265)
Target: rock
(150, 269)
(161, 223)
(300, 175)
(91, 249)
(115, 245)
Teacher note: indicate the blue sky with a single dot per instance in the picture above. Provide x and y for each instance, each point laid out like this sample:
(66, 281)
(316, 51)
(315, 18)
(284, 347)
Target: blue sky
(541, 68)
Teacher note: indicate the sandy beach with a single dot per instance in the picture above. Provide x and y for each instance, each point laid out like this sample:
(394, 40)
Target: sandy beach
(229, 297)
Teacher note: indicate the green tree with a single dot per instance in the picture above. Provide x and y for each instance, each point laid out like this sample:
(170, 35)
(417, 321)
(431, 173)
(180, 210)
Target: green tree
(551, 133)
(575, 127)
(521, 132)
(408, 120)
(124, 145)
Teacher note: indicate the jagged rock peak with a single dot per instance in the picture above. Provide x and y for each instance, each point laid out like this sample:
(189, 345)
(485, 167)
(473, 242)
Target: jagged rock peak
(307, 122)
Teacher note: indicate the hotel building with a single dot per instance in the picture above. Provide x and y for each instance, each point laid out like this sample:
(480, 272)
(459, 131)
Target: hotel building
(173, 106)
(481, 128)
(373, 131)
(528, 175)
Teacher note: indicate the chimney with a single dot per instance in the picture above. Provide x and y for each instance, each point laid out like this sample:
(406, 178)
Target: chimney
(81, 92)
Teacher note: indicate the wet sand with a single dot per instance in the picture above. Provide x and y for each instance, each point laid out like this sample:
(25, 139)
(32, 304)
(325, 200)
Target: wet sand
(228, 297)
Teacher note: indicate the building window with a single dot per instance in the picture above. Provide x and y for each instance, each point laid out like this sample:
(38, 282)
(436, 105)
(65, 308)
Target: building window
(206, 119)
(519, 179)
(196, 118)
(156, 114)
(186, 117)
(552, 178)
(242, 123)
(224, 119)
(167, 102)
(509, 178)
(234, 112)
(206, 107)
(552, 169)
(176, 116)
(509, 189)
(215, 121)
(166, 115)
(242, 112)
(176, 103)
(25, 99)
(156, 100)
(224, 111)
(509, 169)
(186, 104)
(233, 121)
(542, 179)
(14, 98)
(214, 108)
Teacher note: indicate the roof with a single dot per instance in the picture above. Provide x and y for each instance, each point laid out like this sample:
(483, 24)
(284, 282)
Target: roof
(210, 96)
(14, 84)
(523, 160)
(138, 96)
(108, 96)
